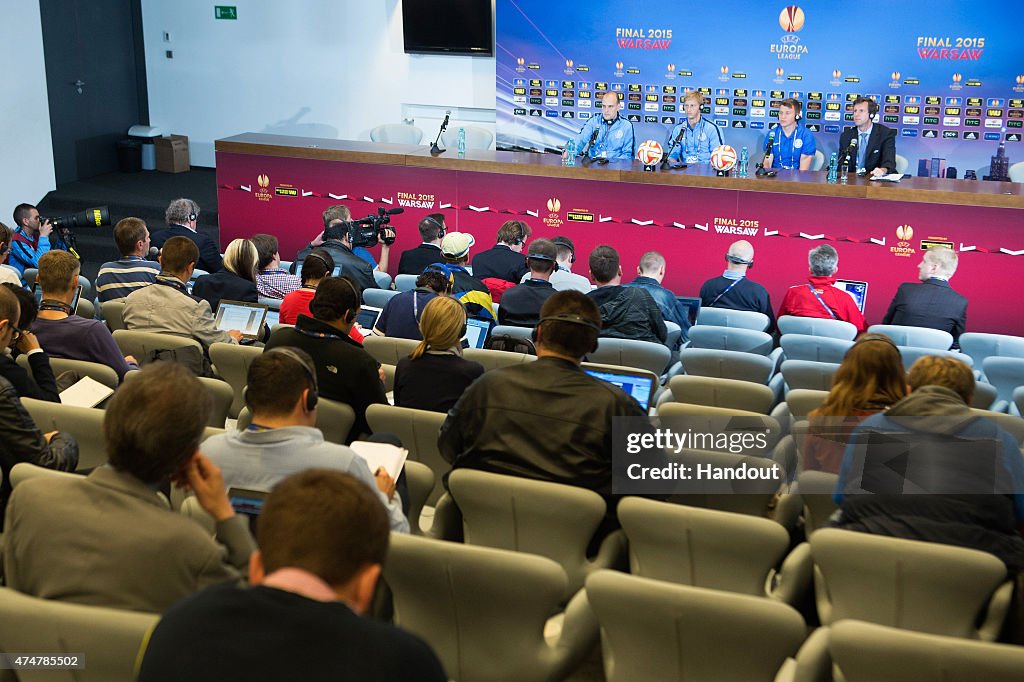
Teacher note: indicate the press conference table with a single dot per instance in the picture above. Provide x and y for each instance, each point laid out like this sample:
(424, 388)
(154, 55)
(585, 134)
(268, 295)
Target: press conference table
(281, 184)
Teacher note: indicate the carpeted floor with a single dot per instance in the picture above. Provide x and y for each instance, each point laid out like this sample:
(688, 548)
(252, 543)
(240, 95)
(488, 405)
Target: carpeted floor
(143, 195)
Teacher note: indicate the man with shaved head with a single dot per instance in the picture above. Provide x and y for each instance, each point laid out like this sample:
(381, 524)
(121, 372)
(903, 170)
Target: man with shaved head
(609, 135)
(733, 289)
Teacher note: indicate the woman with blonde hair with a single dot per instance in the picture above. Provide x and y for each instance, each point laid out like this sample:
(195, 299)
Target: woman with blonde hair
(870, 379)
(435, 374)
(237, 281)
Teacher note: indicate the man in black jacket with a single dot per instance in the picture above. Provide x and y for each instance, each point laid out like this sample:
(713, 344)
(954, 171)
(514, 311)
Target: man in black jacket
(413, 261)
(505, 259)
(182, 216)
(336, 239)
(627, 312)
(20, 438)
(931, 303)
(875, 151)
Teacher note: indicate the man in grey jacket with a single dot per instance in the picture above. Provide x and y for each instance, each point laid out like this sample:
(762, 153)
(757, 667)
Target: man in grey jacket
(110, 539)
(167, 306)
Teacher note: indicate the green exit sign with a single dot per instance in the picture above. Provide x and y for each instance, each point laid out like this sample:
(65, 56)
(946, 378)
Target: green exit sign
(225, 12)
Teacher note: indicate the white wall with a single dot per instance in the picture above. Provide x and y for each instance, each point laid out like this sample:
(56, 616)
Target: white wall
(319, 68)
(26, 168)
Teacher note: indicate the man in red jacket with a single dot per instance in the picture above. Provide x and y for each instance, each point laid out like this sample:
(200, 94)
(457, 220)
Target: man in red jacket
(820, 297)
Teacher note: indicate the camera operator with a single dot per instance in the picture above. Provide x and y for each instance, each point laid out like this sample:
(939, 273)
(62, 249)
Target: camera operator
(33, 236)
(336, 239)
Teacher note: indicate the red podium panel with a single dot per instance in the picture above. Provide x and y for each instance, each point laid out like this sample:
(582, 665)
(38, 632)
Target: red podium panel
(281, 185)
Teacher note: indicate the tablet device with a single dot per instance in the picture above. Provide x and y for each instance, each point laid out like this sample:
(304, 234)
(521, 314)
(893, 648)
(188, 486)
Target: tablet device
(336, 272)
(638, 383)
(273, 317)
(368, 316)
(692, 306)
(37, 291)
(248, 503)
(246, 317)
(476, 332)
(857, 289)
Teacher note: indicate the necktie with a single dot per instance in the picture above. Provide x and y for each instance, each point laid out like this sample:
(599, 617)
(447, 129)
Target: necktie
(862, 150)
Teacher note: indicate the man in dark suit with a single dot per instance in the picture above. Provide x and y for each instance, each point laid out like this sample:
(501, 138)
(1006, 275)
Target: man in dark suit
(505, 259)
(182, 216)
(875, 152)
(932, 303)
(413, 261)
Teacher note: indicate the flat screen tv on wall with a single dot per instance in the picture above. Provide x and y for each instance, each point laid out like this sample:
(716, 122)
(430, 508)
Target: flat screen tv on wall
(464, 27)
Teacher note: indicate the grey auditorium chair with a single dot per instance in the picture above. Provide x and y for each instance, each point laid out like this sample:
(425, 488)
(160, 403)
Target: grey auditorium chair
(730, 338)
(112, 313)
(714, 549)
(84, 423)
(809, 374)
(865, 652)
(232, 363)
(816, 489)
(396, 133)
(378, 298)
(108, 639)
(727, 364)
(495, 359)
(405, 282)
(815, 348)
(652, 630)
(333, 418)
(484, 610)
(724, 317)
(1006, 374)
(753, 496)
(980, 346)
(418, 430)
(816, 326)
(388, 350)
(94, 370)
(654, 357)
(721, 419)
(718, 392)
(537, 517)
(922, 586)
(921, 337)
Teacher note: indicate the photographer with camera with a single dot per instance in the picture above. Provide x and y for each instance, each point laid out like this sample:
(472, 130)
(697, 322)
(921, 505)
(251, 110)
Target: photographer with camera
(347, 240)
(33, 236)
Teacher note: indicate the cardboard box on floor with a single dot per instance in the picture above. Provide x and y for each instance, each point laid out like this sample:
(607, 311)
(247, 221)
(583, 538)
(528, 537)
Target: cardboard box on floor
(172, 154)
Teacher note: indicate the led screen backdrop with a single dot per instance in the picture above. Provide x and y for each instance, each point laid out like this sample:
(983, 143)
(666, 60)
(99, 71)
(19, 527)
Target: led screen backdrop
(947, 74)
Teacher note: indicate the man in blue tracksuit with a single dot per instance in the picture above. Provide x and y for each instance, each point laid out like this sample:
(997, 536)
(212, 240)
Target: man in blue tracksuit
(696, 135)
(614, 134)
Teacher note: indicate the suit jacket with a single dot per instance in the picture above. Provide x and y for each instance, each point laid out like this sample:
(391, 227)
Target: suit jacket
(933, 304)
(414, 261)
(209, 252)
(110, 540)
(500, 262)
(881, 151)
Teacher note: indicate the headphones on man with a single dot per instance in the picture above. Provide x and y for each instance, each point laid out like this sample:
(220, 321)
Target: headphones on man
(872, 107)
(322, 260)
(571, 318)
(739, 261)
(440, 225)
(567, 245)
(314, 393)
(798, 108)
(520, 233)
(193, 213)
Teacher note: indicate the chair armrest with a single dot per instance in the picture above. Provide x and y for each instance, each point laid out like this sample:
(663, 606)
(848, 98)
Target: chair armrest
(793, 580)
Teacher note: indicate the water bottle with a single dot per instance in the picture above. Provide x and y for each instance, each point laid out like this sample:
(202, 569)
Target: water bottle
(844, 170)
(462, 142)
(570, 153)
(744, 160)
(833, 169)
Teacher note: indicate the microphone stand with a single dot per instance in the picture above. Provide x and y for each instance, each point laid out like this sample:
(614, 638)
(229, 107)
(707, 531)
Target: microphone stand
(585, 154)
(434, 149)
(666, 164)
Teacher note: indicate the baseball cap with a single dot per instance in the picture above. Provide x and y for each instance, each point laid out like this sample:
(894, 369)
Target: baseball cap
(457, 244)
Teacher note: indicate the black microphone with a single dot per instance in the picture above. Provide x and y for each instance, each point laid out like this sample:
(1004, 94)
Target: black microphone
(395, 211)
(761, 170)
(665, 162)
(434, 149)
(590, 143)
(851, 152)
(153, 253)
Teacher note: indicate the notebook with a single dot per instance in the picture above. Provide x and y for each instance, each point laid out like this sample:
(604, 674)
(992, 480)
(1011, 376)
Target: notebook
(248, 503)
(476, 332)
(638, 383)
(37, 291)
(246, 317)
(368, 316)
(692, 305)
(857, 289)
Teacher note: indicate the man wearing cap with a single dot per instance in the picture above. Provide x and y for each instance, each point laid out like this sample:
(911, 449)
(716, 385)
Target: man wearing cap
(520, 305)
(465, 287)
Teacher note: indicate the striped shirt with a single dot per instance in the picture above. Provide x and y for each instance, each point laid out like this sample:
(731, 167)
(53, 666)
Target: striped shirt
(117, 279)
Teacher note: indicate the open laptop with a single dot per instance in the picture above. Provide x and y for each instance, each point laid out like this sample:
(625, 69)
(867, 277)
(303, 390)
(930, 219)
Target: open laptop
(368, 316)
(856, 288)
(476, 332)
(692, 306)
(246, 317)
(638, 383)
(37, 291)
(249, 503)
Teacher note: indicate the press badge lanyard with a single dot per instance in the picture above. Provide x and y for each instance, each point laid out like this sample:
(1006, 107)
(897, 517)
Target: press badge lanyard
(727, 290)
(822, 302)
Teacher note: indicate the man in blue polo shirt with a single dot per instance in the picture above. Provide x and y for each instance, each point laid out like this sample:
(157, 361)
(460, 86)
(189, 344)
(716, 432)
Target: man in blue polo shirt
(793, 146)
(33, 236)
(694, 137)
(612, 134)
